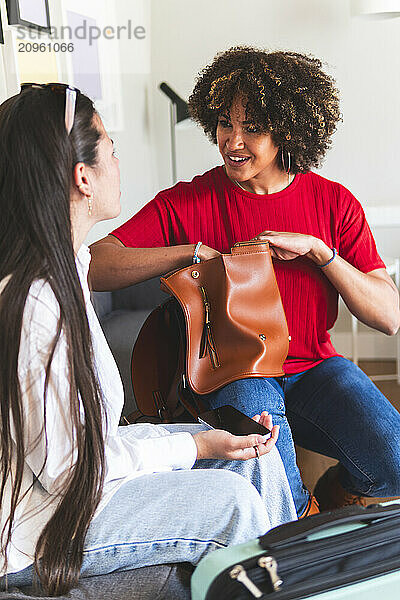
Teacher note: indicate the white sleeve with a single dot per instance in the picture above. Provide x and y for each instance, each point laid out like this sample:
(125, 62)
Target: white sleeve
(144, 450)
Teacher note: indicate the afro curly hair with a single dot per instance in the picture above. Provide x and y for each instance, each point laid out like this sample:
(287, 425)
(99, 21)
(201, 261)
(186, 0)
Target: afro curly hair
(286, 94)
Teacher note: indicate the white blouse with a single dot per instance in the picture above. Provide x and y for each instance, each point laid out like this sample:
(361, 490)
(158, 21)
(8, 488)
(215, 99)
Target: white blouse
(130, 451)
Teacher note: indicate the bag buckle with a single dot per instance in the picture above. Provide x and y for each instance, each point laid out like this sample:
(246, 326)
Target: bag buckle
(162, 411)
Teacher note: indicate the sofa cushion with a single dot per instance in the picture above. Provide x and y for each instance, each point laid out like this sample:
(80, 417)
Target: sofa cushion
(102, 303)
(159, 582)
(146, 294)
(121, 314)
(121, 328)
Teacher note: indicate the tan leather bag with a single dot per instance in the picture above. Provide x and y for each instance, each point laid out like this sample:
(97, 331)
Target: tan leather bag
(234, 327)
(235, 322)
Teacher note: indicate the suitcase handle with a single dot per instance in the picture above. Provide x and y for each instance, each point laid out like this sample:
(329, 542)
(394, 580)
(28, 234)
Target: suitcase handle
(298, 530)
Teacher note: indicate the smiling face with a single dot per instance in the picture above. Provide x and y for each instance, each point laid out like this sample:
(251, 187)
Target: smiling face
(249, 154)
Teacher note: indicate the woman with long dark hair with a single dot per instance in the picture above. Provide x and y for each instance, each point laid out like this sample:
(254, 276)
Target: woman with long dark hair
(78, 494)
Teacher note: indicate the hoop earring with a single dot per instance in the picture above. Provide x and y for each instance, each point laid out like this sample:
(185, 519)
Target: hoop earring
(90, 204)
(286, 169)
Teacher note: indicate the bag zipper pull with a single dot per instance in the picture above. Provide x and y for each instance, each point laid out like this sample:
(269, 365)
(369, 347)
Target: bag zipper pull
(269, 564)
(238, 572)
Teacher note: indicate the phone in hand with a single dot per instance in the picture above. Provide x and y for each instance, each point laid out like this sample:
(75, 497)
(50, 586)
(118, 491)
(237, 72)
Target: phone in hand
(233, 420)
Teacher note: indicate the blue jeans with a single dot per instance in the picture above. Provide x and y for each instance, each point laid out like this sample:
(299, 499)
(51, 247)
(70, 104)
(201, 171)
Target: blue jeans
(179, 516)
(333, 409)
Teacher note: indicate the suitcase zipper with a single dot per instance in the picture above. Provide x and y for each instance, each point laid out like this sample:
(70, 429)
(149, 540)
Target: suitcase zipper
(239, 573)
(265, 562)
(271, 566)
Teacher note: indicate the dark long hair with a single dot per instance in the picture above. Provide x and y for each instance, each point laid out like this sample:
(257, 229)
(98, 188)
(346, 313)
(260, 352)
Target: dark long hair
(36, 163)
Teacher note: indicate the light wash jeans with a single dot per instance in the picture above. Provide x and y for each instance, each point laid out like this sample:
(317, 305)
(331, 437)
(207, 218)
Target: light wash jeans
(333, 409)
(182, 515)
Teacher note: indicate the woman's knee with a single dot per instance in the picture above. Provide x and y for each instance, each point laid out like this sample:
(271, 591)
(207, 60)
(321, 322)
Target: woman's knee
(376, 470)
(251, 396)
(239, 503)
(234, 487)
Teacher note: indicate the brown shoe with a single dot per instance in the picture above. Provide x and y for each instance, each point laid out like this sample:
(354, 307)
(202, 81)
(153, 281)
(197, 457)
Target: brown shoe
(330, 493)
(312, 508)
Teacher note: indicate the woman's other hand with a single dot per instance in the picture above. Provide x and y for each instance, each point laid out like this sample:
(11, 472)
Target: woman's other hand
(285, 245)
(217, 443)
(264, 419)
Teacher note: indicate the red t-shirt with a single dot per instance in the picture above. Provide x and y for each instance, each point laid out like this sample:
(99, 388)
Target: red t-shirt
(213, 210)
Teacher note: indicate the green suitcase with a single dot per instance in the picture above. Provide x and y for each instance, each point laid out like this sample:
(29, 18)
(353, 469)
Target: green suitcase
(351, 553)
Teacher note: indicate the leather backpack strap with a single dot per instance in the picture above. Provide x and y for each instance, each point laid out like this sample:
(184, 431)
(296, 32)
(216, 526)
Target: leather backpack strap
(158, 369)
(153, 365)
(133, 417)
(189, 404)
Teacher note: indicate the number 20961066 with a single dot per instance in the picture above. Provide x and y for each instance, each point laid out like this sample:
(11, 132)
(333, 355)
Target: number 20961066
(45, 47)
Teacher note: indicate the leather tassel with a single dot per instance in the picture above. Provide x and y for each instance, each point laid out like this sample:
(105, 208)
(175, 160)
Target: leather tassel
(211, 348)
(203, 342)
(207, 343)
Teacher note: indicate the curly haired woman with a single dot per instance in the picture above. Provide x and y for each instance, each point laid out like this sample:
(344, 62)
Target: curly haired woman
(272, 116)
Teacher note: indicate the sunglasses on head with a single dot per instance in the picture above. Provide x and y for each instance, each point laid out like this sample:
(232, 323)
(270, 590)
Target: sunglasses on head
(70, 98)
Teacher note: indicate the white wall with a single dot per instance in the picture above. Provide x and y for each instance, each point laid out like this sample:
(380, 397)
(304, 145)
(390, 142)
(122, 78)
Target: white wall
(363, 55)
(134, 146)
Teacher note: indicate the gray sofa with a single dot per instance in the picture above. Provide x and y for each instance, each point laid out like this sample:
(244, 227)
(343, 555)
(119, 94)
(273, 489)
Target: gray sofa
(121, 314)
(161, 582)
